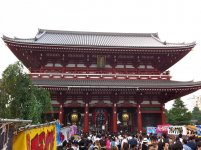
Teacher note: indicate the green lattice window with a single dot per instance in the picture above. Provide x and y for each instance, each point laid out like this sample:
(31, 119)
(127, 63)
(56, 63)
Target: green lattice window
(151, 108)
(55, 108)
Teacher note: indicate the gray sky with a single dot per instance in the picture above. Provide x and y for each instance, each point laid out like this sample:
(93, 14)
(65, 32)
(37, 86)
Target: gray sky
(174, 20)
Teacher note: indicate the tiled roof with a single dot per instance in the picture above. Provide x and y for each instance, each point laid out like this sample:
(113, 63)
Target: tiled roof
(93, 83)
(98, 39)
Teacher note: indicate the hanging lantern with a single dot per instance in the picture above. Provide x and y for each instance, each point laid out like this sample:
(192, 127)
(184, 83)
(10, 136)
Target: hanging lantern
(125, 117)
(74, 117)
(99, 116)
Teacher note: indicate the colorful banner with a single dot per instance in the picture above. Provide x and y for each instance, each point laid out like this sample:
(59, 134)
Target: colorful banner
(162, 128)
(176, 130)
(6, 136)
(151, 130)
(73, 130)
(65, 134)
(68, 132)
(198, 130)
(191, 130)
(37, 138)
(58, 130)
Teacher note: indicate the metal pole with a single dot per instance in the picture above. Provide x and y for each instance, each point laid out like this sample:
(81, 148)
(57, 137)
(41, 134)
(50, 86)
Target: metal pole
(14, 120)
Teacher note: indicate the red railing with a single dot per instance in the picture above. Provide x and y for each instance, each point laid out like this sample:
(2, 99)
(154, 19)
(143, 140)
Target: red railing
(97, 76)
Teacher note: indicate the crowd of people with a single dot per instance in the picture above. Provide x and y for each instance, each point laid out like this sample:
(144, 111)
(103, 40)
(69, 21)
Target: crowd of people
(131, 142)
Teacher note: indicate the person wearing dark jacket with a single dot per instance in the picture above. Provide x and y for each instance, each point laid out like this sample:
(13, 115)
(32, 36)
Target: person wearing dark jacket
(177, 145)
(145, 144)
(191, 143)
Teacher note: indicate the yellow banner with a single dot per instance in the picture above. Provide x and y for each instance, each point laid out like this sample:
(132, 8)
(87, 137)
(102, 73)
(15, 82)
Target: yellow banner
(39, 138)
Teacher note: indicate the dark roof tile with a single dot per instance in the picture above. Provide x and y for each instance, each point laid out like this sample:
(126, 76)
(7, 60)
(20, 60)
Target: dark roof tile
(113, 83)
(98, 39)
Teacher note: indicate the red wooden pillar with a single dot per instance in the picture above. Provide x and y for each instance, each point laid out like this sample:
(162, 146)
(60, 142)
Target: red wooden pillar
(114, 118)
(61, 113)
(139, 119)
(163, 117)
(86, 118)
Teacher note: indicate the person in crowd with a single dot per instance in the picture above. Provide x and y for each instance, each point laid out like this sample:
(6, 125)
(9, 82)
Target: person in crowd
(191, 143)
(75, 145)
(180, 137)
(108, 144)
(125, 146)
(129, 136)
(97, 145)
(93, 138)
(154, 142)
(160, 143)
(199, 145)
(69, 146)
(91, 145)
(82, 144)
(64, 145)
(114, 148)
(144, 144)
(124, 141)
(165, 138)
(103, 141)
(118, 142)
(113, 142)
(171, 142)
(152, 147)
(166, 146)
(177, 145)
(153, 139)
(139, 140)
(132, 142)
(185, 146)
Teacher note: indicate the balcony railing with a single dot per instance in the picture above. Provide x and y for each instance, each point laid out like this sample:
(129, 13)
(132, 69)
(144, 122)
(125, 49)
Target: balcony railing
(97, 76)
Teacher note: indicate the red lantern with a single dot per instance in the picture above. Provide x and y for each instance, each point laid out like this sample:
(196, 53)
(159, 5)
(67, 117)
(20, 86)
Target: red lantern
(99, 116)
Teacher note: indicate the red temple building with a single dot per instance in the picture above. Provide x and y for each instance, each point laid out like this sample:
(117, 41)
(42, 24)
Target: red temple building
(109, 81)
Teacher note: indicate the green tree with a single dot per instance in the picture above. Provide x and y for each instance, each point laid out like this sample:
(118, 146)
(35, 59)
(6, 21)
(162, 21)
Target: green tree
(196, 115)
(179, 114)
(3, 102)
(24, 100)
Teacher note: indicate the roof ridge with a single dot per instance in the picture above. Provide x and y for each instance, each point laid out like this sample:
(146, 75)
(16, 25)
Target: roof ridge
(6, 37)
(158, 39)
(166, 43)
(99, 33)
(16, 38)
(39, 35)
(180, 43)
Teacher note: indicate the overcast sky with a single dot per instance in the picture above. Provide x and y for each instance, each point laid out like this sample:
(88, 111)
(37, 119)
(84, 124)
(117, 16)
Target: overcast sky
(174, 20)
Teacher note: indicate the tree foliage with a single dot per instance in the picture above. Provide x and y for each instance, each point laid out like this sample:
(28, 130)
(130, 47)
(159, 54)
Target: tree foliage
(179, 114)
(196, 115)
(3, 102)
(20, 98)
